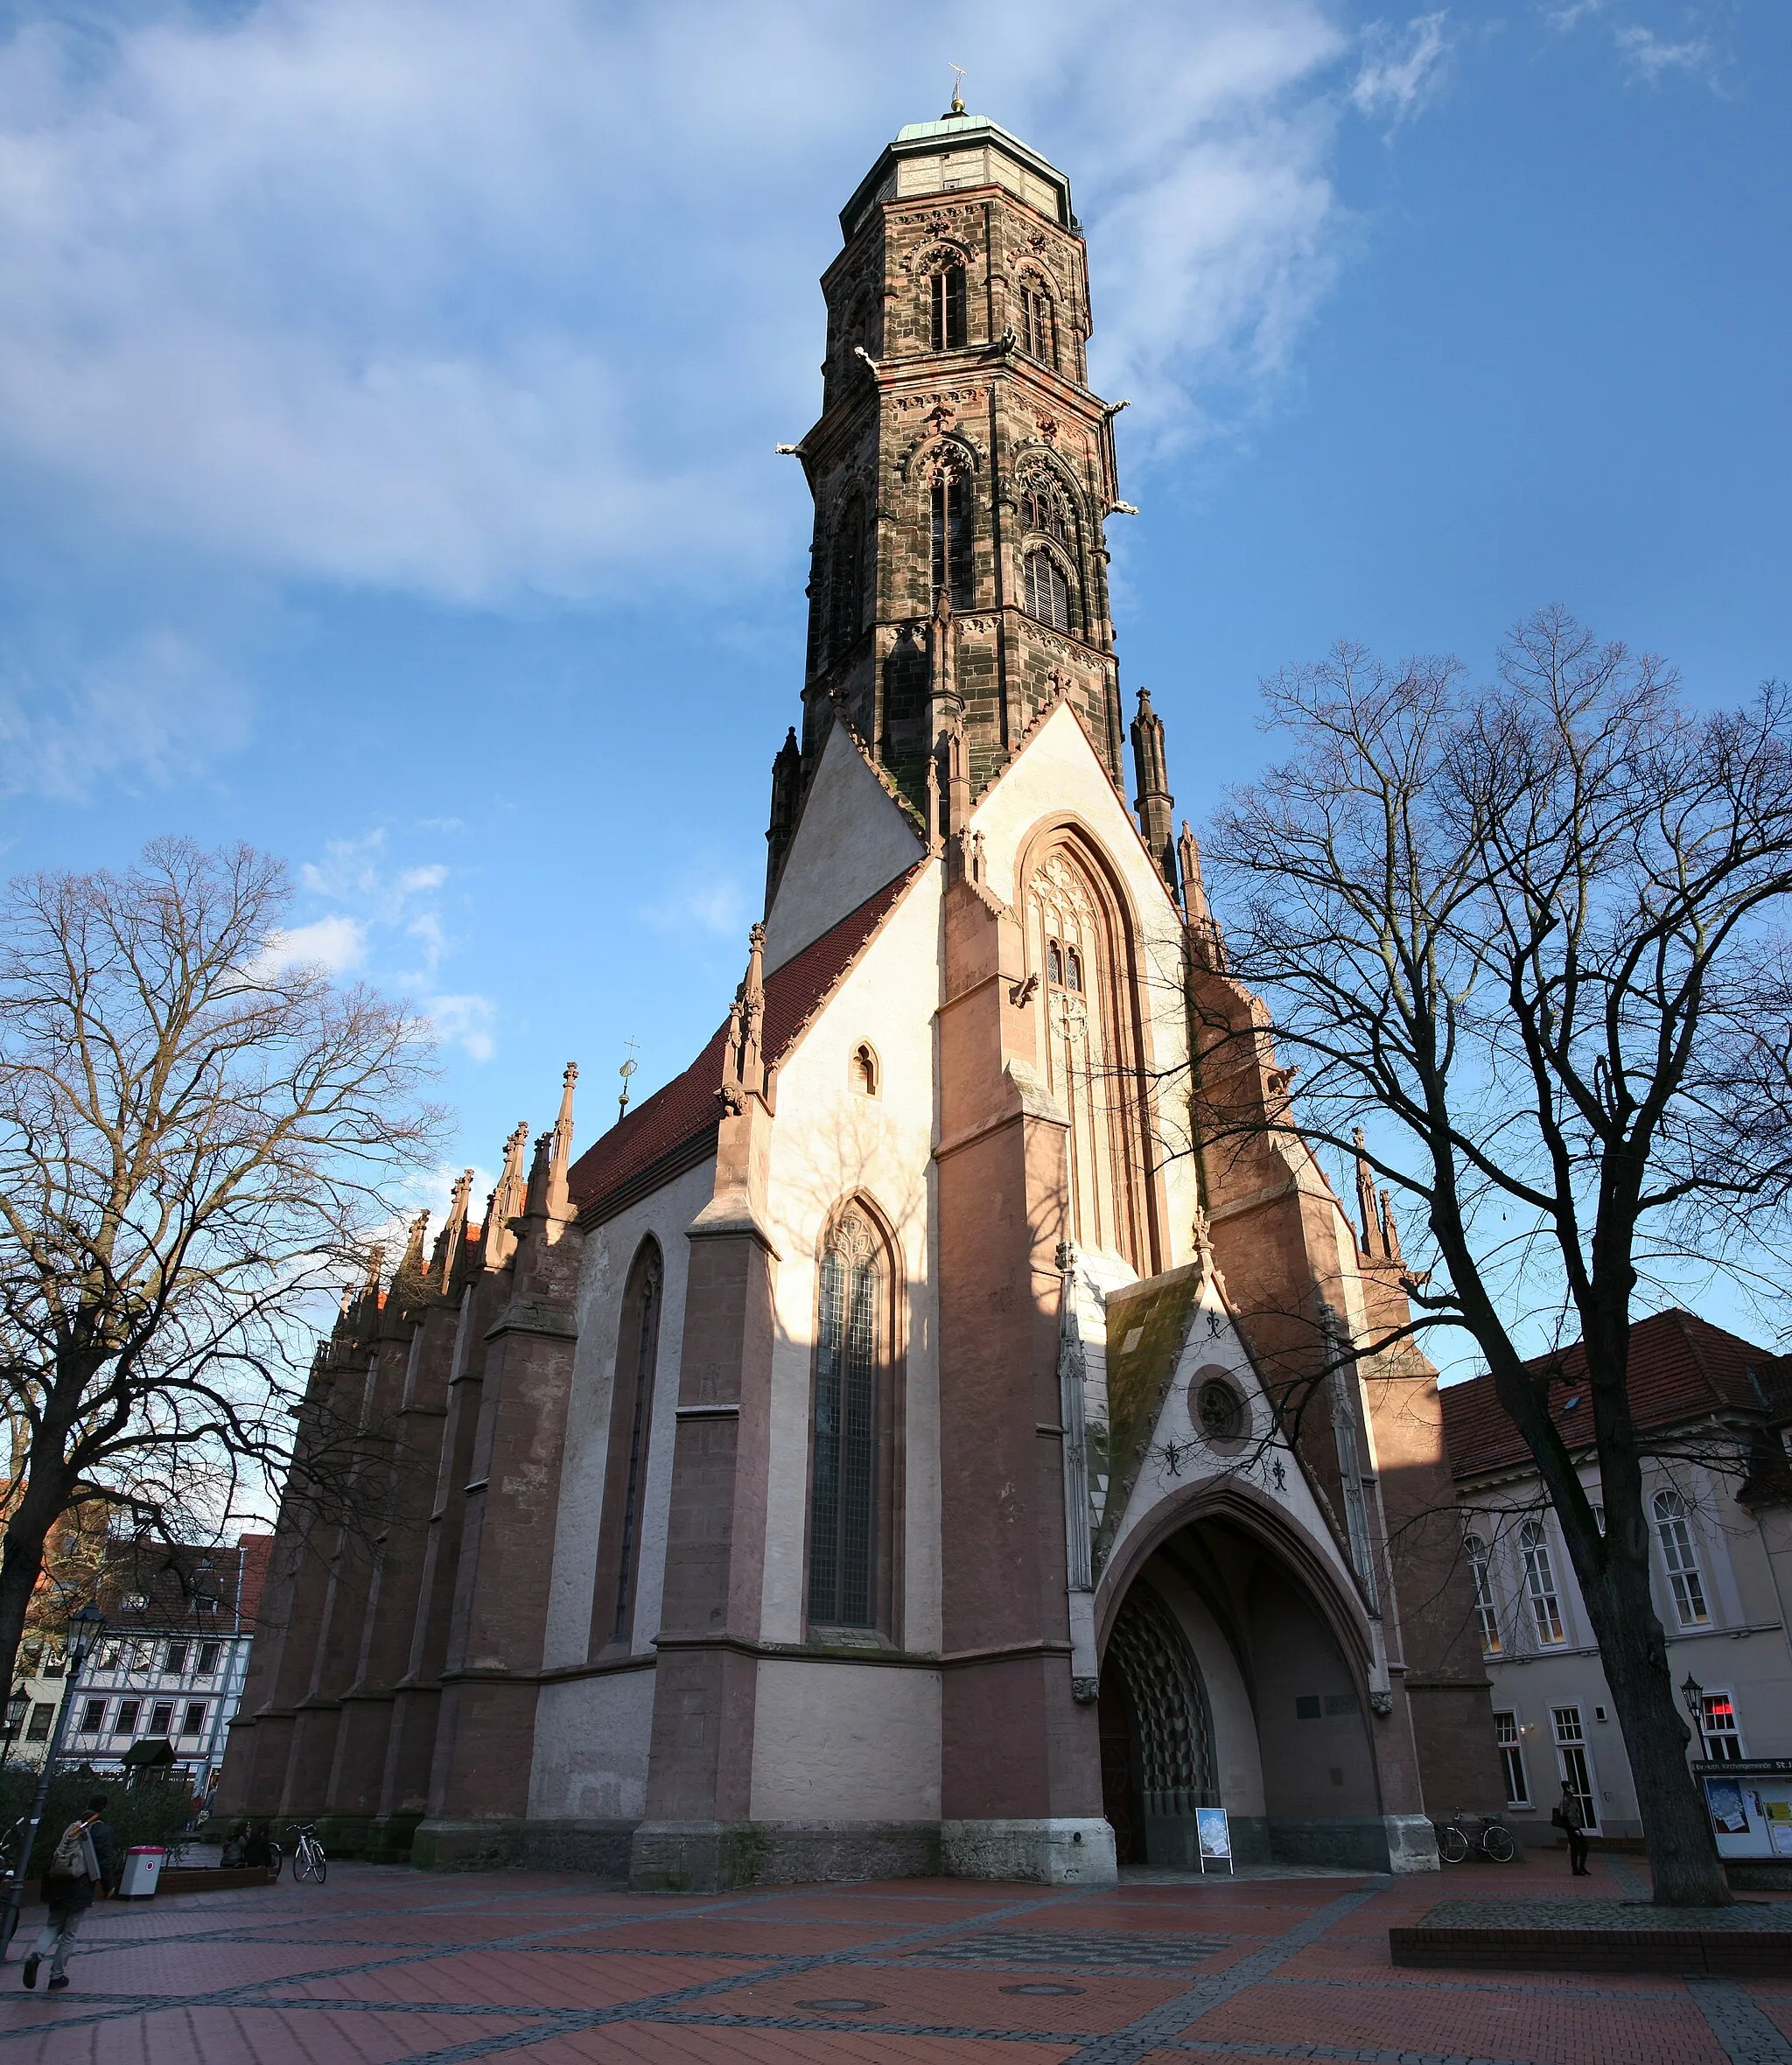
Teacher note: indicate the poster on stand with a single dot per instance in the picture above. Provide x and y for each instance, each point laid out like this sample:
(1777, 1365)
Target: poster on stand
(1215, 1837)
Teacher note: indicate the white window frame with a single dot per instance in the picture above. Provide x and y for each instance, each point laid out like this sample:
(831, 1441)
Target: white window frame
(1516, 1749)
(1566, 1747)
(1481, 1585)
(1671, 1518)
(1731, 1736)
(1540, 1587)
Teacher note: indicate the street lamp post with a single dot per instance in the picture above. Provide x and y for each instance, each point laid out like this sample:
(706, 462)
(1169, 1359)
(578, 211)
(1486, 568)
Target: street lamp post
(15, 1720)
(84, 1629)
(1692, 1696)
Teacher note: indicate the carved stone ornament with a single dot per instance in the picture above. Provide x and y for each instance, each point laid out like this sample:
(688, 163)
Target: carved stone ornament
(1380, 1703)
(731, 1100)
(1086, 1692)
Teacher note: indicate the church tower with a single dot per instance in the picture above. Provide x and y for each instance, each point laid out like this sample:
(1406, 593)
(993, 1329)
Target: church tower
(961, 467)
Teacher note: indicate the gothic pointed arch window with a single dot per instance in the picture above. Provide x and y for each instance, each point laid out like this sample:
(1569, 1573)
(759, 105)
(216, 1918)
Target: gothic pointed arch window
(1047, 589)
(1088, 1045)
(945, 306)
(1037, 324)
(846, 580)
(625, 1464)
(851, 1478)
(954, 531)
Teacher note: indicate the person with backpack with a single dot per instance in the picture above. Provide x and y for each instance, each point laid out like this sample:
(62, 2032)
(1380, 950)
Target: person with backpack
(1570, 1817)
(79, 1872)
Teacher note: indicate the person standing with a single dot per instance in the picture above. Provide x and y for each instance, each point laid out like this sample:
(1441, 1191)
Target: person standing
(79, 1872)
(1571, 1817)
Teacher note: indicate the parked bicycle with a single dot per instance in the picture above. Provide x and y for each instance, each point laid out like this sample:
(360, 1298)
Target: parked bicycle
(1494, 1839)
(308, 1860)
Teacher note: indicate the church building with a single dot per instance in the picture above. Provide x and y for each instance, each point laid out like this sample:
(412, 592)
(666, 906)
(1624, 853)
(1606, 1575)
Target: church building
(899, 1446)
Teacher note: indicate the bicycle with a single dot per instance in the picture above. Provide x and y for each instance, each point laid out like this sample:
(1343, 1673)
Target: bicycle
(1495, 1842)
(308, 1858)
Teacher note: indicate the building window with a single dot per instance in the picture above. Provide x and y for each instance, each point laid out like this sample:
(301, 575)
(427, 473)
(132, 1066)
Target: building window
(91, 1715)
(1675, 1531)
(1576, 1764)
(954, 535)
(1540, 1584)
(847, 1464)
(946, 301)
(1717, 1723)
(177, 1657)
(1048, 591)
(208, 1659)
(1039, 337)
(1219, 1411)
(126, 1723)
(631, 1430)
(863, 1073)
(162, 1716)
(37, 1728)
(1511, 1747)
(1487, 1620)
(193, 1721)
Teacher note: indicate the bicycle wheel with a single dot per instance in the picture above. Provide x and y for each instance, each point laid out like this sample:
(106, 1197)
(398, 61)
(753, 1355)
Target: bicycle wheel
(1498, 1844)
(1452, 1844)
(274, 1859)
(308, 1863)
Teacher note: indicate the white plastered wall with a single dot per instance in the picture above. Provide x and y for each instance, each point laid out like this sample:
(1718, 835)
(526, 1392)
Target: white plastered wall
(867, 1738)
(852, 838)
(831, 1142)
(592, 1734)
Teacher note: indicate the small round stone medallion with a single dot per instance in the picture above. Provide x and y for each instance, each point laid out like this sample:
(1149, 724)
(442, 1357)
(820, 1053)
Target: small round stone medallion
(843, 2006)
(1043, 1987)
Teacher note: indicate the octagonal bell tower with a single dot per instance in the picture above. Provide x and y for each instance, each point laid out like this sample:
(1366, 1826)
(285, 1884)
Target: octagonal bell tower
(961, 467)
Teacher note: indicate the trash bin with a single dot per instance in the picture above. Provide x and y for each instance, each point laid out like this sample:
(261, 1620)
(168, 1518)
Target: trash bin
(142, 1868)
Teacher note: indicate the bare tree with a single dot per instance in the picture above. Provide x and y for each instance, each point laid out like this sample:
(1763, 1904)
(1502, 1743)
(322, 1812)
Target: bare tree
(196, 1137)
(1537, 925)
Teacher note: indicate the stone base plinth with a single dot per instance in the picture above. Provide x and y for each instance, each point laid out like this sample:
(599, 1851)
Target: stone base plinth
(1598, 1935)
(1052, 1851)
(1369, 1843)
(714, 1857)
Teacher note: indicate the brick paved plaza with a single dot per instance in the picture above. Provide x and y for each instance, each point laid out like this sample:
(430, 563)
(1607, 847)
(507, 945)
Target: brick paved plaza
(555, 1970)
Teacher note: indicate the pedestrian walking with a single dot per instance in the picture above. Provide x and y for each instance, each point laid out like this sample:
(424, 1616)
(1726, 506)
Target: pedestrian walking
(80, 1872)
(1571, 1816)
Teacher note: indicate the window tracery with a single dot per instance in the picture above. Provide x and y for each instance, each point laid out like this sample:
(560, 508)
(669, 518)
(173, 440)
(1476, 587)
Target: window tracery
(846, 580)
(631, 1426)
(1084, 1053)
(862, 1072)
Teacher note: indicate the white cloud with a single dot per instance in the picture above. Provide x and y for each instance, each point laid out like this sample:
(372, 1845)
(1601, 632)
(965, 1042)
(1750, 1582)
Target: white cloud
(704, 903)
(1563, 18)
(419, 294)
(1649, 57)
(468, 1020)
(1400, 67)
(336, 943)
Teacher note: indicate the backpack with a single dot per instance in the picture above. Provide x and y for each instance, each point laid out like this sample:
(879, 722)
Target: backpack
(70, 1860)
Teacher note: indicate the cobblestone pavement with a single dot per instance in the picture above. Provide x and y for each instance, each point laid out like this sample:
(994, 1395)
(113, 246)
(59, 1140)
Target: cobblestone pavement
(552, 1969)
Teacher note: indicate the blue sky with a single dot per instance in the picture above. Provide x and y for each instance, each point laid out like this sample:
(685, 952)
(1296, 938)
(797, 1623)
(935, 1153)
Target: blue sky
(387, 393)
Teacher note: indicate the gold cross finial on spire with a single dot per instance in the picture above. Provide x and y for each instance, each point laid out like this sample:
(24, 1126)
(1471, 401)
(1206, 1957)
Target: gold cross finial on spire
(957, 106)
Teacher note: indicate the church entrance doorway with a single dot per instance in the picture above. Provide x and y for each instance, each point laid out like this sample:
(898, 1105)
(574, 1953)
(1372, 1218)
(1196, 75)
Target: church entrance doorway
(1156, 1734)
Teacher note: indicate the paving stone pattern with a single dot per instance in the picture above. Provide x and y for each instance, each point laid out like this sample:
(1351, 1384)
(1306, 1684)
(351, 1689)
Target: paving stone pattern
(386, 1967)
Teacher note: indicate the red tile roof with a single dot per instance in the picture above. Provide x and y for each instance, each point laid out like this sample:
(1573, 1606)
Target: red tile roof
(680, 1117)
(1681, 1367)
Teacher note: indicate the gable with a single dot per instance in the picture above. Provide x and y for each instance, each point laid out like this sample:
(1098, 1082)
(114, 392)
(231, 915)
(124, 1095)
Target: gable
(852, 838)
(1056, 770)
